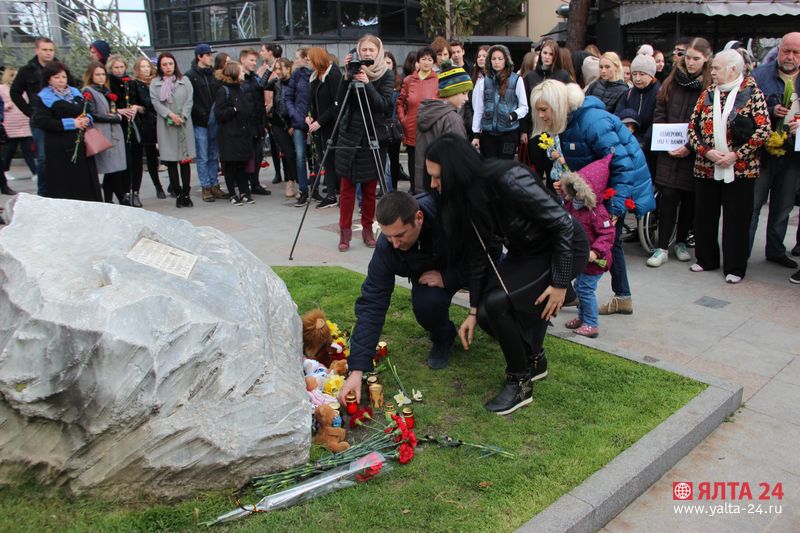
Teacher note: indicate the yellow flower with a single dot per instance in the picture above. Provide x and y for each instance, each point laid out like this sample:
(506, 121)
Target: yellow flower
(333, 327)
(546, 141)
(775, 143)
(333, 385)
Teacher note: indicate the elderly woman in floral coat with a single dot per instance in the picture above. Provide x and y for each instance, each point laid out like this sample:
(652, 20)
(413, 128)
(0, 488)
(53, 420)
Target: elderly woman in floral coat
(729, 124)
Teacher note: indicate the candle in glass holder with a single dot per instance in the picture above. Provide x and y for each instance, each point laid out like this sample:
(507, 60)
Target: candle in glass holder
(376, 395)
(408, 414)
(372, 380)
(351, 403)
(389, 409)
(382, 350)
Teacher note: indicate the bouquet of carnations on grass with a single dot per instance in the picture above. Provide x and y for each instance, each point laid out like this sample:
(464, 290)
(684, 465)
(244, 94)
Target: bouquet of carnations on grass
(359, 470)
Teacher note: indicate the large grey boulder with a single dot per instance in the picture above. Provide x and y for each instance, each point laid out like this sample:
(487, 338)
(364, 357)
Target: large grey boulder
(120, 378)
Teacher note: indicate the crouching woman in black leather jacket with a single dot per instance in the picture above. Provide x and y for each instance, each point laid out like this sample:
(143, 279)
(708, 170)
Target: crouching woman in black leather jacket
(486, 203)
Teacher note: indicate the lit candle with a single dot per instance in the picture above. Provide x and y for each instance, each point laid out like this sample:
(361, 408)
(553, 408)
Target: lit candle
(408, 414)
(351, 404)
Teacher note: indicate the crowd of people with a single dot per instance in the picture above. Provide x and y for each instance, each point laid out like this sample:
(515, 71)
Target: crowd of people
(523, 176)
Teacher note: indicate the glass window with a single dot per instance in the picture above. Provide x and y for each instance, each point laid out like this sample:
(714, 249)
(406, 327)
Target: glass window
(414, 31)
(249, 20)
(324, 19)
(358, 19)
(170, 3)
(284, 16)
(210, 24)
(392, 21)
(130, 4)
(300, 22)
(135, 25)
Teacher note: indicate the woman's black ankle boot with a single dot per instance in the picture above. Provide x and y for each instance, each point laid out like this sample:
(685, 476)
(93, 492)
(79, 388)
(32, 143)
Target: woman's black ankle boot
(517, 392)
(537, 366)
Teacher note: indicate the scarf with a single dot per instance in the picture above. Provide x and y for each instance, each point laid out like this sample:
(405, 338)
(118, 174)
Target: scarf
(378, 68)
(167, 90)
(720, 117)
(687, 81)
(64, 94)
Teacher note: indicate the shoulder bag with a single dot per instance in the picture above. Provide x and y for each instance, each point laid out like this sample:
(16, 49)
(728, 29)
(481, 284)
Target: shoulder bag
(95, 141)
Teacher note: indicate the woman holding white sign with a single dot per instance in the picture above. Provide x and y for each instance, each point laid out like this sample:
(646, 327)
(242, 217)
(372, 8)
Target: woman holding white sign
(674, 173)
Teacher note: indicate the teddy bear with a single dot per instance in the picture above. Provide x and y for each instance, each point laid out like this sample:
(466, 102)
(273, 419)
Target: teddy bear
(338, 367)
(332, 438)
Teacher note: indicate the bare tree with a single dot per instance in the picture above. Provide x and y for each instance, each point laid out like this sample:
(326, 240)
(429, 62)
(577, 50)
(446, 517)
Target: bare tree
(576, 26)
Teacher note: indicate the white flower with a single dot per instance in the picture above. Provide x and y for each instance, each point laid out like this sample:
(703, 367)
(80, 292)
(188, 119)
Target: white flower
(401, 399)
(416, 395)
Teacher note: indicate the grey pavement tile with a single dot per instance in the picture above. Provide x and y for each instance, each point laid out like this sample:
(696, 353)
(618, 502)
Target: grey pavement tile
(769, 333)
(711, 302)
(791, 373)
(778, 399)
(743, 354)
(752, 383)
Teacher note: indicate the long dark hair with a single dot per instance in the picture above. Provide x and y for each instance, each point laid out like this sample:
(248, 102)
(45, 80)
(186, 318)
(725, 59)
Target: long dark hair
(160, 72)
(702, 46)
(501, 78)
(476, 70)
(466, 179)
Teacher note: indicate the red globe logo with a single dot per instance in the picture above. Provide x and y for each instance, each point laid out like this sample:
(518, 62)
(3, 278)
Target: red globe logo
(681, 490)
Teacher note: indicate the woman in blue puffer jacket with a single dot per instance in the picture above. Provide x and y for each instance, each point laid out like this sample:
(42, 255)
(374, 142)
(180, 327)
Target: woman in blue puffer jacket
(587, 133)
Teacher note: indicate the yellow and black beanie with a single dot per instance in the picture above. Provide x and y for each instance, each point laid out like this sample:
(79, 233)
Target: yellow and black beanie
(453, 80)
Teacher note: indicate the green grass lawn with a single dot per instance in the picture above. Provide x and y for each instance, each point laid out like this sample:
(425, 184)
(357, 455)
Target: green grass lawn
(591, 407)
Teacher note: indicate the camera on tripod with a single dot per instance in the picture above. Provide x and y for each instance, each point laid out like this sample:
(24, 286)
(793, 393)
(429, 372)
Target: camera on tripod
(354, 67)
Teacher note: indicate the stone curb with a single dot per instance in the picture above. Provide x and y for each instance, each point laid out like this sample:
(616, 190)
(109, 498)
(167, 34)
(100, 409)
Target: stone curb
(591, 505)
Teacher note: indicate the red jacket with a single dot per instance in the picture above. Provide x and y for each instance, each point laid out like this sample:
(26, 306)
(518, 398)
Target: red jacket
(413, 92)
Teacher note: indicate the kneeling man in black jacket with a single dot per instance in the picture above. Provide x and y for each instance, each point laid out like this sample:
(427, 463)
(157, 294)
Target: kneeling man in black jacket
(411, 244)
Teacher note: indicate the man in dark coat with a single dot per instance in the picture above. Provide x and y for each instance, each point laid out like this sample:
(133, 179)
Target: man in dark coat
(29, 82)
(778, 81)
(411, 245)
(205, 87)
(253, 89)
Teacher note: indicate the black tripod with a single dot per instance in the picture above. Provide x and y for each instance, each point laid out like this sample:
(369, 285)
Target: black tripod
(358, 91)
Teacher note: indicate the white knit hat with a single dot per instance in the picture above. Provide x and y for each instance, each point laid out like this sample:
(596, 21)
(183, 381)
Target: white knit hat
(644, 63)
(645, 49)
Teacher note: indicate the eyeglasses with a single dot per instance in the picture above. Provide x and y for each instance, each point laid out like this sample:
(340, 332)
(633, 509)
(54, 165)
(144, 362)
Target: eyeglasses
(678, 52)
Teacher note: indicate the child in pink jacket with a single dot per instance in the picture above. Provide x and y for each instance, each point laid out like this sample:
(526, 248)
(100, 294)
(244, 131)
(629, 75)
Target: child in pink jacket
(584, 192)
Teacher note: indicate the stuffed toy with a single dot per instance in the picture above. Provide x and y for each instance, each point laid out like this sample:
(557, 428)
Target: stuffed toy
(317, 337)
(339, 367)
(327, 435)
(315, 395)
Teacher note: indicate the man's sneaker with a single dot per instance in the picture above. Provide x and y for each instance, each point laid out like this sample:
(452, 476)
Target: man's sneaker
(277, 179)
(517, 392)
(328, 201)
(439, 356)
(217, 191)
(690, 240)
(316, 196)
(236, 201)
(658, 258)
(616, 305)
(783, 261)
(733, 279)
(796, 250)
(795, 278)
(682, 253)
(302, 200)
(588, 331)
(697, 268)
(289, 190)
(247, 199)
(259, 189)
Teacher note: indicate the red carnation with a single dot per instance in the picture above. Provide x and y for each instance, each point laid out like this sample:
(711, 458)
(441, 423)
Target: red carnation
(125, 79)
(186, 161)
(360, 415)
(87, 96)
(609, 193)
(406, 453)
(630, 204)
(112, 96)
(264, 164)
(372, 465)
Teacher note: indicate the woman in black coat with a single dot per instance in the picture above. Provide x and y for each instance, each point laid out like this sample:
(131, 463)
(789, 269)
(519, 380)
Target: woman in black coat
(486, 203)
(356, 163)
(145, 120)
(58, 110)
(609, 87)
(325, 80)
(234, 111)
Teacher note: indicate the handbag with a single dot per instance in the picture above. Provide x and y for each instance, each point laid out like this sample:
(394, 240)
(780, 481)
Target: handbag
(95, 142)
(522, 297)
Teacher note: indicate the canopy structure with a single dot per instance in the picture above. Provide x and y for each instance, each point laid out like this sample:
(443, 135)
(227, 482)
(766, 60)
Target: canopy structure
(639, 10)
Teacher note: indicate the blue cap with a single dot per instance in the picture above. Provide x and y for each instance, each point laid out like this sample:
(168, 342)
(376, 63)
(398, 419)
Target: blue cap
(203, 48)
